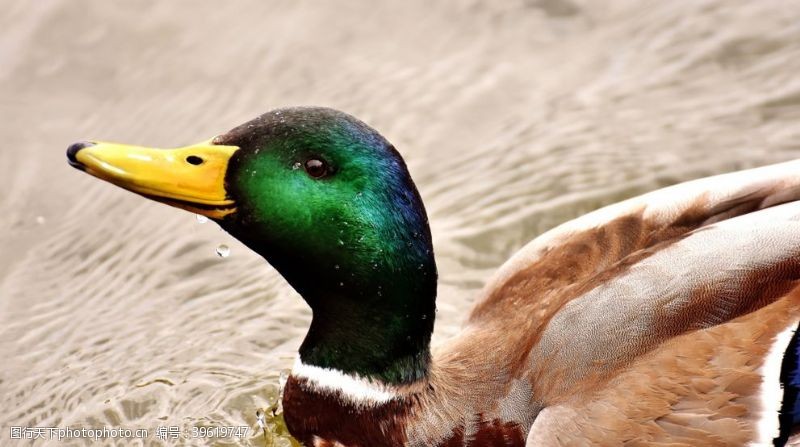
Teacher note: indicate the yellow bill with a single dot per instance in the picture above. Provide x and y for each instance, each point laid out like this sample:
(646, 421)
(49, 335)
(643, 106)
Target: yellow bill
(191, 177)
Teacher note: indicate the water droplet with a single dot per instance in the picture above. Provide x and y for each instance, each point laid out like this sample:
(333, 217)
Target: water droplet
(359, 194)
(341, 242)
(380, 293)
(420, 267)
(201, 218)
(374, 266)
(424, 316)
(336, 266)
(296, 166)
(260, 419)
(341, 284)
(223, 251)
(40, 220)
(257, 150)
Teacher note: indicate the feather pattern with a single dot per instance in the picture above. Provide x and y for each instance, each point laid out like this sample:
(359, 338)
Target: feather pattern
(662, 320)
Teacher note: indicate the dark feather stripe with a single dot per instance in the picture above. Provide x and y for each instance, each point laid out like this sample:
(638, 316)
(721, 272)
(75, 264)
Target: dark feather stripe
(789, 416)
(325, 417)
(321, 418)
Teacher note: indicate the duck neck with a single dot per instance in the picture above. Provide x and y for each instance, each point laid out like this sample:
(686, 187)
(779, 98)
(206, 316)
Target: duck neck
(373, 313)
(376, 325)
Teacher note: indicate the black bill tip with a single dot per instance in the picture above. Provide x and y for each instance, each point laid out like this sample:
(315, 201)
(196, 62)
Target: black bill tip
(72, 152)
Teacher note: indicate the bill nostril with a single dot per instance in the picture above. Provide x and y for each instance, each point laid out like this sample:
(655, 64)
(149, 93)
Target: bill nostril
(194, 160)
(72, 150)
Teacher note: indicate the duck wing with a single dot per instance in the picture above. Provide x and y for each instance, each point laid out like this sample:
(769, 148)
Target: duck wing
(668, 318)
(695, 344)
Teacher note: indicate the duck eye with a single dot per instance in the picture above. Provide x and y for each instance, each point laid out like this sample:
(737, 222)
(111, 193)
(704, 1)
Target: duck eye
(194, 160)
(316, 168)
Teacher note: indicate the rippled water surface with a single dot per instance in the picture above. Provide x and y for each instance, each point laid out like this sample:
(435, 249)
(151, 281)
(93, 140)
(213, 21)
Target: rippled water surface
(513, 116)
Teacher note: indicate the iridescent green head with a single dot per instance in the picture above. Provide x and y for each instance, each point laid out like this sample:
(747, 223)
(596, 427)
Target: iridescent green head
(330, 204)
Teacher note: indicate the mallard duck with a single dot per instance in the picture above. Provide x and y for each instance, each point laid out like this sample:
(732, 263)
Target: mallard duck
(666, 319)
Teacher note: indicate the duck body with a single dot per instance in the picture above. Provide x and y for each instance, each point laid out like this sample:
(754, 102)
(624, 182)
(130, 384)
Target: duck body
(666, 319)
(670, 318)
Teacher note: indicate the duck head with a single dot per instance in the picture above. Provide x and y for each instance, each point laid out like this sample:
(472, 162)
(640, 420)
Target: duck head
(328, 202)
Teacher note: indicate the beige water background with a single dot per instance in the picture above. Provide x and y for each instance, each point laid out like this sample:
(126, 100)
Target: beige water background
(513, 116)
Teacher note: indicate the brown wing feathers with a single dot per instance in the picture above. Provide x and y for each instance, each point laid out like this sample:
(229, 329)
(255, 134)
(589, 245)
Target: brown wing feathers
(661, 287)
